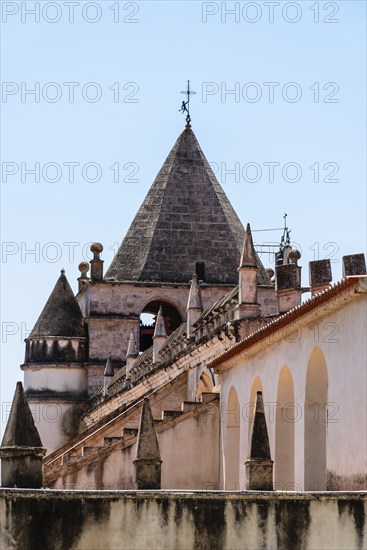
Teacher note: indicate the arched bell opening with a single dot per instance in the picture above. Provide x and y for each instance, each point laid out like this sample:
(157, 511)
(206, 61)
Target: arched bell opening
(172, 320)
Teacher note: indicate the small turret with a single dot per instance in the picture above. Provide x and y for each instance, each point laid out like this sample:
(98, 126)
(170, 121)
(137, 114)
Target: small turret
(54, 366)
(148, 461)
(259, 466)
(21, 450)
(248, 268)
(194, 305)
(159, 336)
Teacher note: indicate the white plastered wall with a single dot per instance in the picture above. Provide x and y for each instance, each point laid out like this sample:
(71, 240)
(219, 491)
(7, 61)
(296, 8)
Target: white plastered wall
(341, 336)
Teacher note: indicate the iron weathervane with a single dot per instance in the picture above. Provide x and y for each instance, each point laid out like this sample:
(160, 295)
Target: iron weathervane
(286, 238)
(185, 107)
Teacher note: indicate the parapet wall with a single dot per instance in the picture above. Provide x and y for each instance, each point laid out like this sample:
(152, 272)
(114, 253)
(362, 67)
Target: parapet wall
(103, 520)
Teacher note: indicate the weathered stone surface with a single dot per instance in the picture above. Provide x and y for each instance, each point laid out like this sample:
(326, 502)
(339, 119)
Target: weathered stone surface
(61, 315)
(160, 329)
(259, 466)
(185, 218)
(259, 439)
(248, 256)
(21, 450)
(20, 429)
(96, 264)
(354, 264)
(286, 277)
(128, 520)
(320, 272)
(148, 459)
(109, 370)
(248, 279)
(259, 475)
(194, 306)
(195, 301)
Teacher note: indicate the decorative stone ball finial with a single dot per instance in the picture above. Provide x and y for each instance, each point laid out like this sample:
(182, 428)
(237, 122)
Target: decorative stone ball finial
(83, 268)
(294, 255)
(96, 248)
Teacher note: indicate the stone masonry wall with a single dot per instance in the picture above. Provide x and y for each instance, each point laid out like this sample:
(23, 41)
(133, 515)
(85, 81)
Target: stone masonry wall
(62, 520)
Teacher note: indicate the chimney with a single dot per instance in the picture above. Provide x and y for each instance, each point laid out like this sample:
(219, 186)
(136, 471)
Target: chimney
(148, 461)
(355, 264)
(159, 336)
(288, 282)
(132, 353)
(320, 276)
(247, 279)
(96, 264)
(83, 279)
(21, 450)
(259, 466)
(194, 306)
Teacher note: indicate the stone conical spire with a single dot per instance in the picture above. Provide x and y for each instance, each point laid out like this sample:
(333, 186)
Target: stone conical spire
(20, 430)
(185, 204)
(108, 374)
(259, 466)
(61, 315)
(159, 336)
(132, 348)
(132, 353)
(195, 301)
(21, 450)
(248, 256)
(259, 439)
(109, 371)
(247, 279)
(148, 459)
(194, 305)
(160, 328)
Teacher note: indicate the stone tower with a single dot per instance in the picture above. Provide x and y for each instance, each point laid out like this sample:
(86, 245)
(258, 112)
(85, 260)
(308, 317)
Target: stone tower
(55, 377)
(185, 225)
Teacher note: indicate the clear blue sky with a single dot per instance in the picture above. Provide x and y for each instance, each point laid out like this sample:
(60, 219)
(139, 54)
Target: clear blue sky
(169, 43)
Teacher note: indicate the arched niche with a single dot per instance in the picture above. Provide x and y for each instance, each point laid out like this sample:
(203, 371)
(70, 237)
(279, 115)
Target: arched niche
(232, 442)
(172, 320)
(285, 417)
(316, 396)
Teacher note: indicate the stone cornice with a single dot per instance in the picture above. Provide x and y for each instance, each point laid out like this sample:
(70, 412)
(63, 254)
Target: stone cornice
(18, 451)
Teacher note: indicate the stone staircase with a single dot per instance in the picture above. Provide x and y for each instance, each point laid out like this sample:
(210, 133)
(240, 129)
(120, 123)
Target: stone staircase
(130, 433)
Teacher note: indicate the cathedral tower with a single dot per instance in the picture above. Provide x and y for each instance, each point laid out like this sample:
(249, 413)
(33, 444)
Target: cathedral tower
(185, 225)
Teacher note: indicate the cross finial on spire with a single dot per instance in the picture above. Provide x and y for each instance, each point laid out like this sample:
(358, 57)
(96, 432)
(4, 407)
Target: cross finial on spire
(185, 107)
